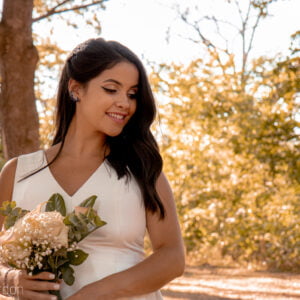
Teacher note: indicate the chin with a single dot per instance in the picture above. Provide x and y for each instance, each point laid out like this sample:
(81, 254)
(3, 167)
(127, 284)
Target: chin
(113, 134)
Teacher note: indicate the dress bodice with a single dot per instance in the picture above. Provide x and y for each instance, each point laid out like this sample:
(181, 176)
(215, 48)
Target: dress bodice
(112, 248)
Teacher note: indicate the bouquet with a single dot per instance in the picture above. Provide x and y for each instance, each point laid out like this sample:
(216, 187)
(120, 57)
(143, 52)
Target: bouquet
(38, 241)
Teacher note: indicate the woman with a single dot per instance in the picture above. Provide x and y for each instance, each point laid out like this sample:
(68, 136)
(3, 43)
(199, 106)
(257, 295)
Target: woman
(103, 146)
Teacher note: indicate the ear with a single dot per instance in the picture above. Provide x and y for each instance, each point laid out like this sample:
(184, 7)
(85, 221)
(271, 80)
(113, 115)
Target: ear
(75, 88)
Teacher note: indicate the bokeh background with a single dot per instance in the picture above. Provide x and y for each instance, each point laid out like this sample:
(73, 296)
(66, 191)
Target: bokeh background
(226, 77)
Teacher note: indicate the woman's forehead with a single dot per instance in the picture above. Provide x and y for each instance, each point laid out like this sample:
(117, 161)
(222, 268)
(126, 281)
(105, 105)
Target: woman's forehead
(123, 73)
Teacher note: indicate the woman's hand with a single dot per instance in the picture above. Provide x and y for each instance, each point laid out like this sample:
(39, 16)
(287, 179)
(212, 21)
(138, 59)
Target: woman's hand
(23, 286)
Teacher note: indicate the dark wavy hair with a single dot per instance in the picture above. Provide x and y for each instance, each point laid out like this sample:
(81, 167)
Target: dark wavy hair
(135, 149)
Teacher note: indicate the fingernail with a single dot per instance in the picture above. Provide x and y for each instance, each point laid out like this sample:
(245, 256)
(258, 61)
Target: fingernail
(56, 286)
(53, 298)
(51, 276)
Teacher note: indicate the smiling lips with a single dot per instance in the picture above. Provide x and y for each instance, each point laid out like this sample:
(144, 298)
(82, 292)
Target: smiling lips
(118, 117)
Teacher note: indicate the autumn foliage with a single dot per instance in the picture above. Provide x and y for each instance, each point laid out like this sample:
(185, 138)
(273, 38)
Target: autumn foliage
(233, 159)
(228, 130)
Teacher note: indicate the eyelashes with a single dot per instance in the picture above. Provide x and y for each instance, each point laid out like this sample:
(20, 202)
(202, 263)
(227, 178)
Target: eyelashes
(110, 91)
(132, 96)
(113, 91)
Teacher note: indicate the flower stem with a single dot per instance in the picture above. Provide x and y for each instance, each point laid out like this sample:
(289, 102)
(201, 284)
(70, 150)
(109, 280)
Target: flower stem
(57, 294)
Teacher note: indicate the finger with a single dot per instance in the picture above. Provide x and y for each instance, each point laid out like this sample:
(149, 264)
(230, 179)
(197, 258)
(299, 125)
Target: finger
(37, 285)
(37, 296)
(42, 276)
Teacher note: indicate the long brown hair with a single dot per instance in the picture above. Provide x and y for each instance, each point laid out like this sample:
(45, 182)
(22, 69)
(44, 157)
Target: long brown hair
(135, 149)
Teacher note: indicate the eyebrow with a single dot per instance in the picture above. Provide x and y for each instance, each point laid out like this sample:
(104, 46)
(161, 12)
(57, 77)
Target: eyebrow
(118, 83)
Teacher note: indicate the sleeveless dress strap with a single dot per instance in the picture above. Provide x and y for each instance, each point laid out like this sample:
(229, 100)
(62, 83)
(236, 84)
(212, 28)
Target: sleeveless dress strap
(28, 163)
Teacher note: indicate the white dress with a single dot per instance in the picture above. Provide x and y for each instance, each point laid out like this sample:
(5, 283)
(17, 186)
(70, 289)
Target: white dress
(112, 248)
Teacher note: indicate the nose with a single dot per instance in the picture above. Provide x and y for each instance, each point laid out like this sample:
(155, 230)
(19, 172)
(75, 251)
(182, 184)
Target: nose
(123, 101)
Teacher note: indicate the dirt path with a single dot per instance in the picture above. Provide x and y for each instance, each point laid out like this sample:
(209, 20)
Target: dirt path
(226, 283)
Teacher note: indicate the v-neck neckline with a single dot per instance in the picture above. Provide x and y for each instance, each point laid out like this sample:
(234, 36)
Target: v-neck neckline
(81, 186)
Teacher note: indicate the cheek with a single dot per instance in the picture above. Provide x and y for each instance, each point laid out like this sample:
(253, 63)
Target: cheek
(133, 107)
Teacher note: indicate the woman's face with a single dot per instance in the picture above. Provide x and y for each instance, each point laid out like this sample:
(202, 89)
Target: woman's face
(108, 101)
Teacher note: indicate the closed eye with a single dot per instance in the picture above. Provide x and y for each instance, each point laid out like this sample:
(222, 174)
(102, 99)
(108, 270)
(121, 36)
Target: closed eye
(110, 91)
(132, 96)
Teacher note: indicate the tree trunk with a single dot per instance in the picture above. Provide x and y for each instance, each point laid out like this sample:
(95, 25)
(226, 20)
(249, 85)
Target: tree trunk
(18, 59)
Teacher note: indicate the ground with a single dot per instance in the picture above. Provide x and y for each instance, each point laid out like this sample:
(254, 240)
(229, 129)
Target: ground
(230, 283)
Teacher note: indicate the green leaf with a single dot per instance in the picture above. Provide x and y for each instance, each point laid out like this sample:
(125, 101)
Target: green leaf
(14, 215)
(61, 252)
(7, 207)
(67, 274)
(51, 262)
(61, 261)
(16, 211)
(56, 203)
(67, 220)
(9, 221)
(79, 222)
(89, 202)
(78, 236)
(77, 257)
(94, 218)
(88, 224)
(81, 225)
(98, 222)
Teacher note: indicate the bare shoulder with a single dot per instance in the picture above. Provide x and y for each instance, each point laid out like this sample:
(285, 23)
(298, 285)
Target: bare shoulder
(9, 168)
(163, 187)
(165, 193)
(7, 177)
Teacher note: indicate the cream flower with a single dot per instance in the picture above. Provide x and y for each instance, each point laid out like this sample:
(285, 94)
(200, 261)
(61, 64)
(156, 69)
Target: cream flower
(13, 251)
(45, 226)
(40, 227)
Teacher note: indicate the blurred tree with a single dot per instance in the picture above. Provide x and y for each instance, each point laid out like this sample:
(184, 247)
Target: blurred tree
(250, 14)
(18, 61)
(231, 150)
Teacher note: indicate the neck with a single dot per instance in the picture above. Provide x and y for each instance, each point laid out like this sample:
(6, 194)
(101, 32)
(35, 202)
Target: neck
(79, 143)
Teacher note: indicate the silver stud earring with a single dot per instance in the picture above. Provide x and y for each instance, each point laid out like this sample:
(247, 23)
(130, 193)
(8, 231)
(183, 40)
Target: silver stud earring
(73, 98)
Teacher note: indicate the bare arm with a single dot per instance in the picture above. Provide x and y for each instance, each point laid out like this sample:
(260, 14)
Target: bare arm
(166, 262)
(6, 187)
(22, 285)
(7, 183)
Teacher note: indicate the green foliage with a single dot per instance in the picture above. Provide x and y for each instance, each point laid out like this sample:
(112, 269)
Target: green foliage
(89, 202)
(81, 222)
(77, 257)
(56, 203)
(68, 275)
(11, 213)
